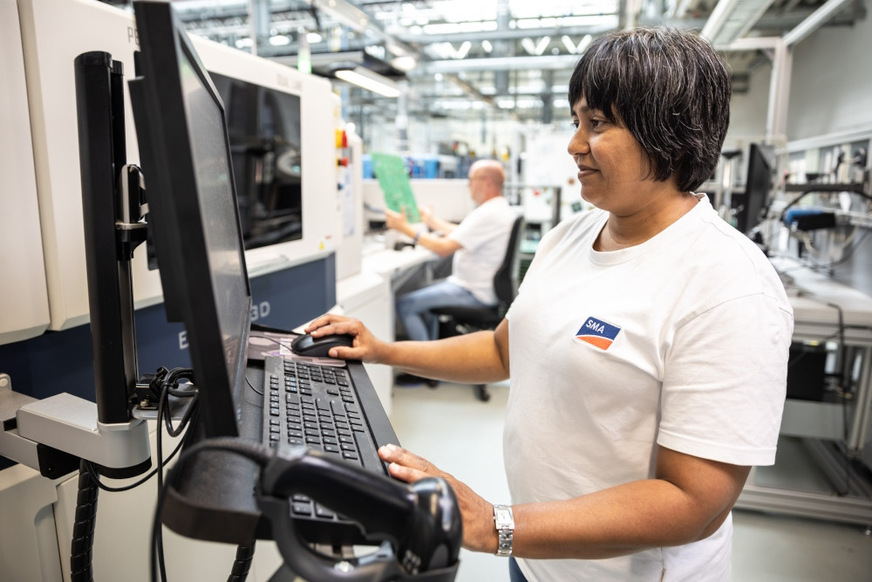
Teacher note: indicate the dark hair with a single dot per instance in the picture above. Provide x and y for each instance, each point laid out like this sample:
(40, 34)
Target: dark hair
(669, 88)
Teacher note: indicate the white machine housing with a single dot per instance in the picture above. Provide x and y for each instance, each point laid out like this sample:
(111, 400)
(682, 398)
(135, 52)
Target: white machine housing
(23, 294)
(54, 33)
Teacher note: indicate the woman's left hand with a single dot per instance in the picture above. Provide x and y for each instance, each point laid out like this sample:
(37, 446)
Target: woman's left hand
(476, 513)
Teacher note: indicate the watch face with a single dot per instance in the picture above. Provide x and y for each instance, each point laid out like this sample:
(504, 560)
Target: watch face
(503, 516)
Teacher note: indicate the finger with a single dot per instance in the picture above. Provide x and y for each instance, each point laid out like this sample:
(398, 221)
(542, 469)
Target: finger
(319, 322)
(343, 353)
(404, 458)
(397, 457)
(337, 326)
(406, 474)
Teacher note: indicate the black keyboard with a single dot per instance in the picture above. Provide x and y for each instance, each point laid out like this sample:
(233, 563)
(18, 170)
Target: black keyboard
(317, 406)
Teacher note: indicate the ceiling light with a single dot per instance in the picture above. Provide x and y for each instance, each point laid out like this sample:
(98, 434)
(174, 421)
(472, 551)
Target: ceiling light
(528, 45)
(542, 45)
(404, 63)
(567, 42)
(314, 37)
(464, 49)
(370, 81)
(279, 40)
(487, 46)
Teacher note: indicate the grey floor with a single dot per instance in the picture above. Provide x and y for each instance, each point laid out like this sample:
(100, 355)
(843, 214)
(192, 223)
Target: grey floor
(462, 436)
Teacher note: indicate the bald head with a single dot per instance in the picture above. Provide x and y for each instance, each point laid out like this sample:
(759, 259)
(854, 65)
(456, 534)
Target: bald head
(486, 179)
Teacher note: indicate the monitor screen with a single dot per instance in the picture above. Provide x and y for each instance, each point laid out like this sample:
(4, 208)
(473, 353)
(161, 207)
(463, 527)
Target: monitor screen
(266, 147)
(193, 216)
(757, 186)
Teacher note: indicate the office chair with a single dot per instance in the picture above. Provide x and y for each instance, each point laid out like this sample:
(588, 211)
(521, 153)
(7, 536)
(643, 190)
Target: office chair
(459, 320)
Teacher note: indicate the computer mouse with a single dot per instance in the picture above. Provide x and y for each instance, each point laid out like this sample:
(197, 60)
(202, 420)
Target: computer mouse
(306, 345)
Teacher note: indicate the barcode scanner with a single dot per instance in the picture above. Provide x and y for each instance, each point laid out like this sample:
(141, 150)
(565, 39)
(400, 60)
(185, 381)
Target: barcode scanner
(418, 525)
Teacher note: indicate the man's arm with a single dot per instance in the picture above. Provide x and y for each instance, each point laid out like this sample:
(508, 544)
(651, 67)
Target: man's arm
(441, 245)
(435, 223)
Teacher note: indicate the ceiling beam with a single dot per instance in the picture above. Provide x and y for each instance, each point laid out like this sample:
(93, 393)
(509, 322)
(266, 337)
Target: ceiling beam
(509, 33)
(817, 19)
(550, 62)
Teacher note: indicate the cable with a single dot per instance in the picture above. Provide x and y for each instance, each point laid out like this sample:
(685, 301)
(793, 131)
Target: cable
(848, 250)
(95, 477)
(89, 482)
(82, 546)
(248, 449)
(273, 340)
(169, 385)
(242, 563)
(250, 385)
(844, 386)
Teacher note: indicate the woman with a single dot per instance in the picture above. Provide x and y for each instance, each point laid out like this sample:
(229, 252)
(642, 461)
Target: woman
(649, 341)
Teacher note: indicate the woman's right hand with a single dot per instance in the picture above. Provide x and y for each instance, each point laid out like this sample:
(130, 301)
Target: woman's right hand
(366, 348)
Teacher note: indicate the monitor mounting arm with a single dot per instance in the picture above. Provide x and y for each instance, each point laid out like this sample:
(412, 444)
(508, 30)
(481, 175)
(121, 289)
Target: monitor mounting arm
(104, 432)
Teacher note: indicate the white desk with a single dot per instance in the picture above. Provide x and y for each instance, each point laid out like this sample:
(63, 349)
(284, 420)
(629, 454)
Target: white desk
(812, 431)
(367, 296)
(396, 266)
(813, 296)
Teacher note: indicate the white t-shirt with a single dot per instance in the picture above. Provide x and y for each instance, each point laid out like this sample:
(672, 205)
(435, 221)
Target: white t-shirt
(484, 238)
(680, 341)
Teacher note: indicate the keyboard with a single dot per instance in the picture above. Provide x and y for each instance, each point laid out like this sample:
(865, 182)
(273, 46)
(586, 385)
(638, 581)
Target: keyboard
(318, 406)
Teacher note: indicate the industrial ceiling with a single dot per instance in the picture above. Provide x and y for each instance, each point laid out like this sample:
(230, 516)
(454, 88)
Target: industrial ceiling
(503, 58)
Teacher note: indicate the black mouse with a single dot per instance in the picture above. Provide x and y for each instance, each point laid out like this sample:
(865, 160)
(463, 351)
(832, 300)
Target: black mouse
(306, 345)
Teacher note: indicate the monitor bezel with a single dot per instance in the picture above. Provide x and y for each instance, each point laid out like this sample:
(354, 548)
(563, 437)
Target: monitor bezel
(758, 185)
(175, 217)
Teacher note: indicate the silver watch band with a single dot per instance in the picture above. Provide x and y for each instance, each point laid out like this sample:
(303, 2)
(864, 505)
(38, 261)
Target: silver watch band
(504, 522)
(504, 547)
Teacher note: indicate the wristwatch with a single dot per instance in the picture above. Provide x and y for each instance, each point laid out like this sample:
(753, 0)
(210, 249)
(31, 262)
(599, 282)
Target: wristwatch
(504, 521)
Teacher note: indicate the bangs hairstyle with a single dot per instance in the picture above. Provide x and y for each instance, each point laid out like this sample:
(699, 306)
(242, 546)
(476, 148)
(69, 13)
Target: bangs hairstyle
(669, 88)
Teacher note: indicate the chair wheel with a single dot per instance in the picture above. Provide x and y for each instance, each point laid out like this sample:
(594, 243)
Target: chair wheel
(481, 392)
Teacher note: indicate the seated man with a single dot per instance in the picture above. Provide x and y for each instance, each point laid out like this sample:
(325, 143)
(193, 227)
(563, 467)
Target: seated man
(478, 245)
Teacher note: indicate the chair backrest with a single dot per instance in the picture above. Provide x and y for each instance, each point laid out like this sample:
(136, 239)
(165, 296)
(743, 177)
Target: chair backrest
(506, 277)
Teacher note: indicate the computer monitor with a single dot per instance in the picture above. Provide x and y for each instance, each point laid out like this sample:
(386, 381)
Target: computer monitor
(185, 157)
(264, 125)
(757, 186)
(52, 34)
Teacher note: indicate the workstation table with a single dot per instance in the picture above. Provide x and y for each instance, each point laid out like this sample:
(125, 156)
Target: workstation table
(396, 265)
(827, 442)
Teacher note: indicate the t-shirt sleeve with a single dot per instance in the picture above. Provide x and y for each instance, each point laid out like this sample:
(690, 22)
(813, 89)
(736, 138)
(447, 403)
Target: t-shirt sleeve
(464, 233)
(725, 381)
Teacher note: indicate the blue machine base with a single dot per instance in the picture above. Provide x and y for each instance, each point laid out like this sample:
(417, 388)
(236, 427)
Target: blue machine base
(62, 361)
